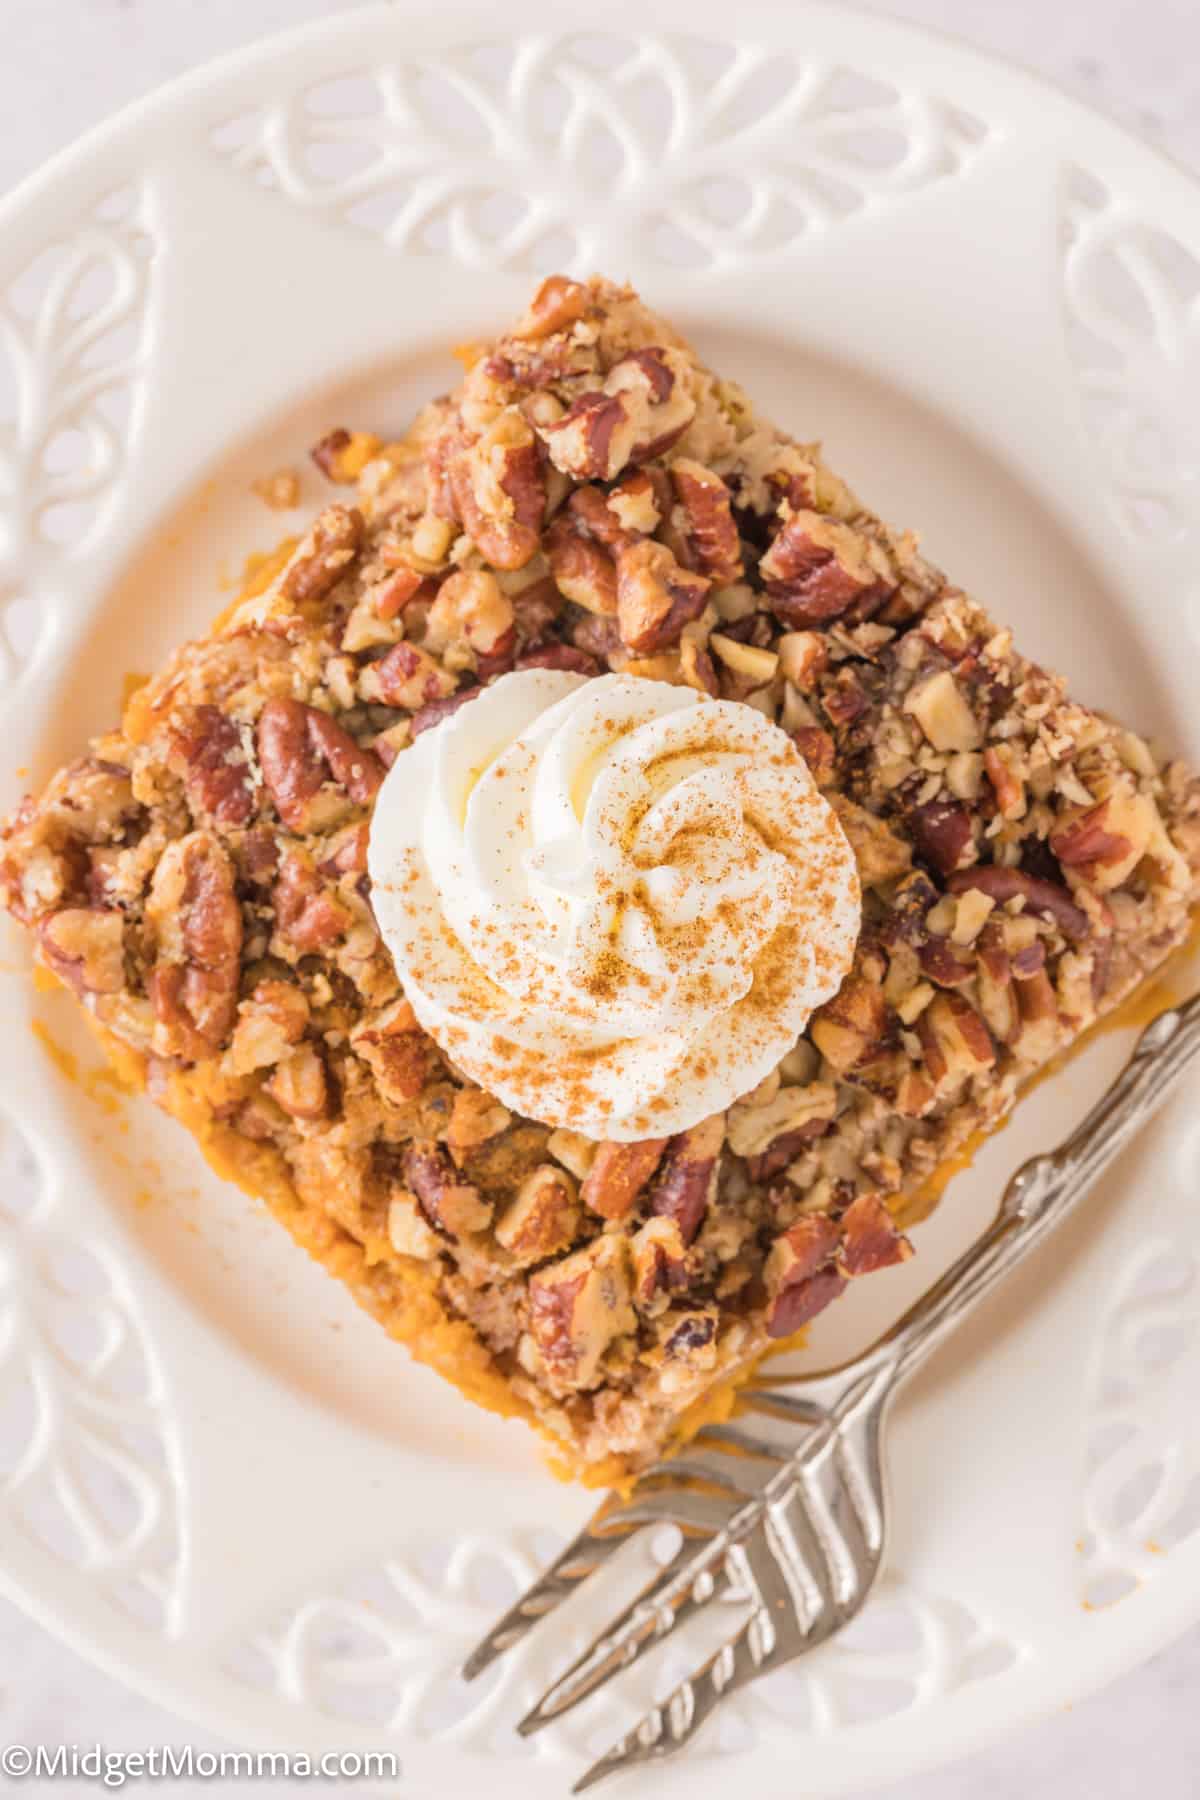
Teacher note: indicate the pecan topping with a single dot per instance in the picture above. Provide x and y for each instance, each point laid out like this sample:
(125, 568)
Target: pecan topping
(941, 831)
(302, 750)
(655, 597)
(217, 772)
(499, 492)
(817, 569)
(543, 1218)
(707, 523)
(324, 555)
(308, 915)
(1047, 899)
(407, 677)
(196, 926)
(556, 306)
(849, 1029)
(687, 1179)
(579, 1306)
(85, 947)
(869, 1238)
(452, 1206)
(582, 570)
(401, 1057)
(300, 1085)
(619, 1174)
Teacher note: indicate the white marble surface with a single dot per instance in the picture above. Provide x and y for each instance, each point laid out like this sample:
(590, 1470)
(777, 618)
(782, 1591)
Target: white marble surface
(67, 63)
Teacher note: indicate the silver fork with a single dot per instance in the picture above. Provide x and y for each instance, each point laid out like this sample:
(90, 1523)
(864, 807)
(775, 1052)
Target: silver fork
(785, 1510)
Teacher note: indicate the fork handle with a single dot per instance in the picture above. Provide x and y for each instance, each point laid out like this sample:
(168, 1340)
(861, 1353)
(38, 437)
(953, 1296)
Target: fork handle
(1045, 1188)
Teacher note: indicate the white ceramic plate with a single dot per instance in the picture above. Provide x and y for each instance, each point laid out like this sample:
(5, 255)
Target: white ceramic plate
(223, 1482)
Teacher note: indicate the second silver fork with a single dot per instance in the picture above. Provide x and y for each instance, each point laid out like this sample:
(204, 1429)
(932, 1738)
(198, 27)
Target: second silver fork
(785, 1509)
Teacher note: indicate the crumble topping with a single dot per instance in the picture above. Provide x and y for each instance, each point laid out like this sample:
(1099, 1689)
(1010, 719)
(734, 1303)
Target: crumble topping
(592, 499)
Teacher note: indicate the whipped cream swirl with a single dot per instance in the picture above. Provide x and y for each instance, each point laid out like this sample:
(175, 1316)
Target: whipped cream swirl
(612, 903)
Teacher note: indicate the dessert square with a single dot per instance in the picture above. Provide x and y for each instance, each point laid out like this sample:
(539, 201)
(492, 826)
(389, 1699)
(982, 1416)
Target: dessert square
(593, 501)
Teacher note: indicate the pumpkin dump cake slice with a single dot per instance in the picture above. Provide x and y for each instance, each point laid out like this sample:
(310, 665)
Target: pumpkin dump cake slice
(593, 502)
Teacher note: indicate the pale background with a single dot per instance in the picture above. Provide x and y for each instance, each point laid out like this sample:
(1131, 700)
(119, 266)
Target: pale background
(64, 64)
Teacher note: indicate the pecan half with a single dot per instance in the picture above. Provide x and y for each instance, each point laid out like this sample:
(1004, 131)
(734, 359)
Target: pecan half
(324, 555)
(707, 525)
(85, 947)
(619, 1174)
(312, 767)
(656, 598)
(687, 1179)
(218, 776)
(195, 925)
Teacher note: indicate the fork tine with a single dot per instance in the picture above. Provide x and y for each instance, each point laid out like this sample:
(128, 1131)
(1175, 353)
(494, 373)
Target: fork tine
(674, 1594)
(600, 1538)
(667, 1728)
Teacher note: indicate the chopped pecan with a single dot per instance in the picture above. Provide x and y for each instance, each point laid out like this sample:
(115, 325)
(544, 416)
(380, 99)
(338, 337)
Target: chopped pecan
(589, 511)
(581, 1305)
(849, 1030)
(659, 1255)
(85, 947)
(817, 569)
(306, 757)
(499, 491)
(820, 753)
(803, 658)
(1046, 899)
(326, 451)
(543, 1217)
(408, 1232)
(870, 1239)
(400, 1056)
(324, 555)
(348, 854)
(687, 1178)
(195, 924)
(556, 306)
(619, 1174)
(1103, 844)
(471, 608)
(593, 438)
(708, 529)
(645, 404)
(941, 832)
(801, 1112)
(803, 1252)
(1037, 1004)
(944, 714)
(397, 591)
(940, 962)
(881, 855)
(300, 1085)
(475, 1117)
(655, 597)
(218, 774)
(407, 677)
(583, 571)
(1007, 786)
(308, 914)
(452, 1206)
(342, 455)
(955, 1042)
(270, 1024)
